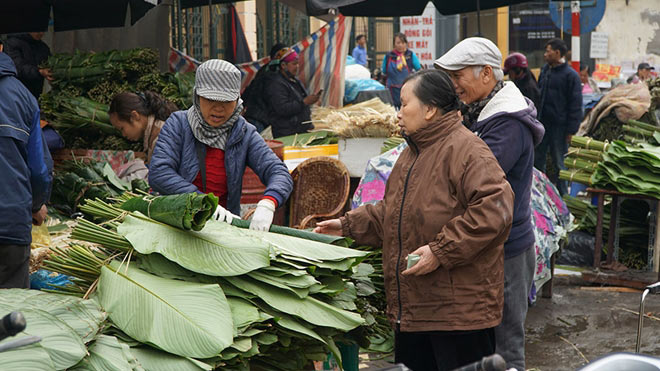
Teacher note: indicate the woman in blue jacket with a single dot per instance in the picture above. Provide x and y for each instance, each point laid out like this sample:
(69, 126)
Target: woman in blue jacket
(397, 65)
(206, 149)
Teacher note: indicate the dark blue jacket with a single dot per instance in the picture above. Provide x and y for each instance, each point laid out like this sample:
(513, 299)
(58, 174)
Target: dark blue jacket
(509, 127)
(174, 164)
(27, 54)
(289, 114)
(561, 98)
(25, 163)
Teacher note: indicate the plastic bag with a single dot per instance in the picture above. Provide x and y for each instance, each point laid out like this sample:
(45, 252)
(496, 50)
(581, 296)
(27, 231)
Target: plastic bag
(45, 279)
(579, 251)
(40, 236)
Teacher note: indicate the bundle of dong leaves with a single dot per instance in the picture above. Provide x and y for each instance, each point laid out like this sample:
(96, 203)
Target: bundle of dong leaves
(628, 168)
(77, 180)
(220, 296)
(85, 83)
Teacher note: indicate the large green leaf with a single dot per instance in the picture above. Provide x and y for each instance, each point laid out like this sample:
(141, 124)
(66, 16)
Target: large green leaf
(242, 344)
(293, 325)
(301, 282)
(112, 177)
(300, 233)
(266, 338)
(281, 271)
(156, 360)
(83, 316)
(32, 357)
(185, 318)
(217, 250)
(159, 265)
(243, 312)
(108, 354)
(340, 265)
(310, 309)
(310, 250)
(63, 346)
(275, 281)
(251, 332)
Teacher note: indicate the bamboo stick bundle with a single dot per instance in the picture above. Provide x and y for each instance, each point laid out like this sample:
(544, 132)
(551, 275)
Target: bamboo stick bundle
(643, 125)
(637, 131)
(589, 143)
(587, 154)
(580, 164)
(634, 140)
(579, 176)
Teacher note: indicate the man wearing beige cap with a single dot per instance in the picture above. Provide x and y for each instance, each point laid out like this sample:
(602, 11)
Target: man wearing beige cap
(503, 118)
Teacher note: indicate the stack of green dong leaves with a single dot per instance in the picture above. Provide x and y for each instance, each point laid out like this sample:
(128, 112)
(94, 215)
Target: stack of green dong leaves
(85, 83)
(205, 294)
(80, 179)
(628, 168)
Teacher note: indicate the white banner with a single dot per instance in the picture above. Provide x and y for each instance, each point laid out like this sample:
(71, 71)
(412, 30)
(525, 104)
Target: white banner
(599, 45)
(420, 32)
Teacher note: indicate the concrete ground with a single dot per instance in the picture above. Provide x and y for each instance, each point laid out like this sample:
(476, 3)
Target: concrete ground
(579, 324)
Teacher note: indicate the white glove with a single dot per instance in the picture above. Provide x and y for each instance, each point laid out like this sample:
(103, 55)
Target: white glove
(263, 215)
(224, 215)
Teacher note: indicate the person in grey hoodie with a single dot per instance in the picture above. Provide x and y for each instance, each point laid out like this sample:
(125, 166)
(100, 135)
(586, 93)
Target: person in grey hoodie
(506, 121)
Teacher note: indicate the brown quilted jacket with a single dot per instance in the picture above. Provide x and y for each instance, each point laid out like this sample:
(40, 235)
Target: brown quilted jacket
(446, 190)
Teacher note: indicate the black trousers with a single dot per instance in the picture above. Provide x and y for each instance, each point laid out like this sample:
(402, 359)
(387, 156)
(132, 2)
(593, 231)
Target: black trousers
(442, 350)
(14, 266)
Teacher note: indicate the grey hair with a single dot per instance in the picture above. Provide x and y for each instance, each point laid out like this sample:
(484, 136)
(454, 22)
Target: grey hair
(498, 74)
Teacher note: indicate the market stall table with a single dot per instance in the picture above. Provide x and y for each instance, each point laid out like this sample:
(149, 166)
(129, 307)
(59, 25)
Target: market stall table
(613, 235)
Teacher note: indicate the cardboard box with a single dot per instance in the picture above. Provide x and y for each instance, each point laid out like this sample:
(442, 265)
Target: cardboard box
(296, 155)
(355, 153)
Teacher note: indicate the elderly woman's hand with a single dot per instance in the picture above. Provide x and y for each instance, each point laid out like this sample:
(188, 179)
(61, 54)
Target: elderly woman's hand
(427, 262)
(331, 227)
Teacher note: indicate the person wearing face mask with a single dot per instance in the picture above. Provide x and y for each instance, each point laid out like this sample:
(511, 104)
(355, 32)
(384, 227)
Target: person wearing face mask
(448, 202)
(207, 147)
(288, 99)
(397, 65)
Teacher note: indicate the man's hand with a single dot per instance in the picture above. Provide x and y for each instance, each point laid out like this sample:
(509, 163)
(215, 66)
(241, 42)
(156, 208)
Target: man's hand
(40, 216)
(427, 262)
(311, 99)
(331, 227)
(568, 139)
(45, 72)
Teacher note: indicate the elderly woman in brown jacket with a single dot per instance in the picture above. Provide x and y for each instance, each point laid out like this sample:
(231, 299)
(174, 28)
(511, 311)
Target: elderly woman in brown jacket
(447, 200)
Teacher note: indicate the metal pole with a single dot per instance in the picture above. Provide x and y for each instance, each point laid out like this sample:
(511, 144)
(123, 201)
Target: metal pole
(213, 47)
(269, 32)
(478, 18)
(638, 344)
(173, 23)
(575, 38)
(179, 28)
(561, 14)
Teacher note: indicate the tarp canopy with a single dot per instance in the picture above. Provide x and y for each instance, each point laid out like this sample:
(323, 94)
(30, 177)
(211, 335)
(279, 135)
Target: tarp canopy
(310, 7)
(394, 8)
(34, 15)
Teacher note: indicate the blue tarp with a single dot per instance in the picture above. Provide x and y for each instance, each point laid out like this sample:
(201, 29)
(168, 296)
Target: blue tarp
(354, 87)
